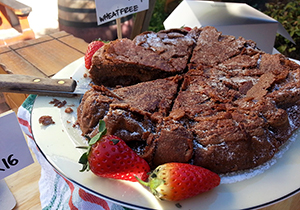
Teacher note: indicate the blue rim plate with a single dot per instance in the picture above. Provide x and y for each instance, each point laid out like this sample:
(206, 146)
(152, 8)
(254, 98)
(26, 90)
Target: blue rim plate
(58, 143)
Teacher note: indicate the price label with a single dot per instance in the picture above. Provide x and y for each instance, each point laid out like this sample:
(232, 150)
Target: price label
(110, 10)
(14, 152)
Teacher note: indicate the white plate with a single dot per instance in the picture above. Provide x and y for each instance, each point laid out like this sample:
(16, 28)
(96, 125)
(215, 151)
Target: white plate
(57, 142)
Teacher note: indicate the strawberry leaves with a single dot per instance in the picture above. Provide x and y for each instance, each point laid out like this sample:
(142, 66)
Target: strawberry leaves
(179, 181)
(110, 157)
(84, 158)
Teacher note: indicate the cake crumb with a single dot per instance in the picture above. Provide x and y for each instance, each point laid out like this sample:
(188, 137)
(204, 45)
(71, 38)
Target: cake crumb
(46, 120)
(68, 110)
(58, 103)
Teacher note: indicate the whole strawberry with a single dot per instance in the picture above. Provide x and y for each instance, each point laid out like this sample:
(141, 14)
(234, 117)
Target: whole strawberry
(179, 181)
(109, 156)
(91, 49)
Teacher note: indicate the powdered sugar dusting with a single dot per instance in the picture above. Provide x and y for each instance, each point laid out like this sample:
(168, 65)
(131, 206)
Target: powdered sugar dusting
(240, 176)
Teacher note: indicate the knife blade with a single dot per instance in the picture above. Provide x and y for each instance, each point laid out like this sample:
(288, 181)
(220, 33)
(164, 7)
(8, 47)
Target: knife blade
(41, 86)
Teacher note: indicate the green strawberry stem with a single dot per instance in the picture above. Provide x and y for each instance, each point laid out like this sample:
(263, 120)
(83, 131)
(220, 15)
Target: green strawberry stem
(84, 158)
(142, 182)
(153, 183)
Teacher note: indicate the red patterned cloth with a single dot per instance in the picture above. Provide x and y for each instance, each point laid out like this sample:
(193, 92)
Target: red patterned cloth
(56, 192)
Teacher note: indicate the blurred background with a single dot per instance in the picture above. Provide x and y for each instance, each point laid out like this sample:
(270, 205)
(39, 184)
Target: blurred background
(48, 16)
(43, 18)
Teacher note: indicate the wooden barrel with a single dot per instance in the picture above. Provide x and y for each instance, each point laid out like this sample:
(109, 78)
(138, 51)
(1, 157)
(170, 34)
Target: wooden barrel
(78, 17)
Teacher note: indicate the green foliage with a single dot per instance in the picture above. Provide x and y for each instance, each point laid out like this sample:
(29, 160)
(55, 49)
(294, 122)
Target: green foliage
(158, 16)
(289, 16)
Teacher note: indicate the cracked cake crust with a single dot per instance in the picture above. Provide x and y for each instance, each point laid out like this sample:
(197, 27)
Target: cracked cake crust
(232, 108)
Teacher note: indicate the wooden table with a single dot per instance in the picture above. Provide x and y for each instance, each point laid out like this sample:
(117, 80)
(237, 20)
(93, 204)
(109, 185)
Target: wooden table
(45, 57)
(40, 57)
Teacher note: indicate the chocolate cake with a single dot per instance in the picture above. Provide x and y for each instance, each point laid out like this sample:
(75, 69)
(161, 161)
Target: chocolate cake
(230, 109)
(149, 56)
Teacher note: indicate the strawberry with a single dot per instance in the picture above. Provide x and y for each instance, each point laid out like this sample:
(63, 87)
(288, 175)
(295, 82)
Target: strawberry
(109, 156)
(178, 181)
(91, 49)
(187, 28)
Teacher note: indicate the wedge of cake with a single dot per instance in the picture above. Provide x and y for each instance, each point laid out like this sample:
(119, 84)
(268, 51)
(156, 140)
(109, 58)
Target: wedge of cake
(149, 56)
(130, 112)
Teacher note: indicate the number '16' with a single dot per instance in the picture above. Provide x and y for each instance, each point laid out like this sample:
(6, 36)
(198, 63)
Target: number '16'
(10, 161)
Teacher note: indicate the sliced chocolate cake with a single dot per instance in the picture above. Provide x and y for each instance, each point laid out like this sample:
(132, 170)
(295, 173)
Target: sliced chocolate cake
(232, 110)
(149, 56)
(131, 112)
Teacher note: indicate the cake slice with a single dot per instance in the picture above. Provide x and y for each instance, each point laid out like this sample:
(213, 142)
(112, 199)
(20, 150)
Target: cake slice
(149, 56)
(130, 113)
(214, 48)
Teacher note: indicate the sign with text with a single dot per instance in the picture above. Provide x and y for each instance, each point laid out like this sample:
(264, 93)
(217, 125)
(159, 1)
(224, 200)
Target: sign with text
(113, 9)
(14, 152)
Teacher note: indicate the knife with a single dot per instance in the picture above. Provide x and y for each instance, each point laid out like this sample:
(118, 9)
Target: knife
(41, 86)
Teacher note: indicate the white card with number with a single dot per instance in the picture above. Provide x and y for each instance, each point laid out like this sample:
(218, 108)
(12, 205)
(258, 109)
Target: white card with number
(113, 9)
(14, 151)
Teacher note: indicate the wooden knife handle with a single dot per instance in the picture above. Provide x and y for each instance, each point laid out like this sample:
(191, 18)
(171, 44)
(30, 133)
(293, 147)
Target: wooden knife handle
(10, 82)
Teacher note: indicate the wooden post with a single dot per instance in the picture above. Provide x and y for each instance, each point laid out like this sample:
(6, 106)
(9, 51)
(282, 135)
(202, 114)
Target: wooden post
(142, 20)
(119, 28)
